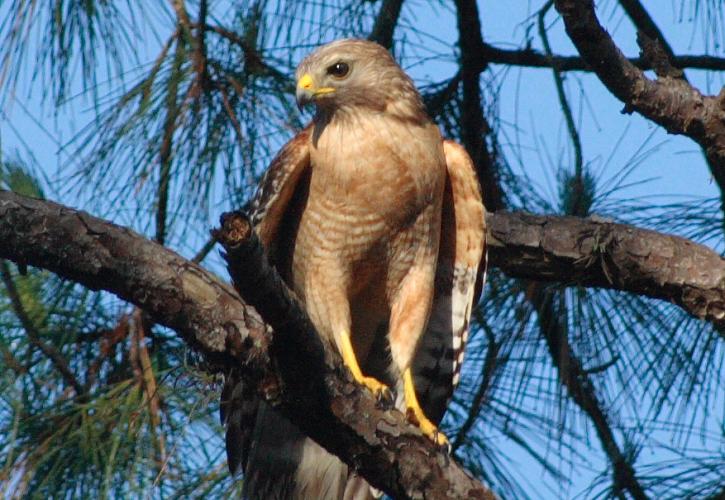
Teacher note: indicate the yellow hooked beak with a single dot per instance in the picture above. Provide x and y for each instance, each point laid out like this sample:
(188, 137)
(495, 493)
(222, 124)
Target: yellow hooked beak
(307, 92)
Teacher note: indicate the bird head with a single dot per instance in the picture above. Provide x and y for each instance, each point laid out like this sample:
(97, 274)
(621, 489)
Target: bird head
(354, 73)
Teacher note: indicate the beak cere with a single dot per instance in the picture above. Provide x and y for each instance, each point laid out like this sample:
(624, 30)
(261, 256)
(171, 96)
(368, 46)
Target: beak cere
(305, 90)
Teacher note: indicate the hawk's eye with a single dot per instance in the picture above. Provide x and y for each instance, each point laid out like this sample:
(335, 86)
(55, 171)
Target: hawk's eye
(339, 70)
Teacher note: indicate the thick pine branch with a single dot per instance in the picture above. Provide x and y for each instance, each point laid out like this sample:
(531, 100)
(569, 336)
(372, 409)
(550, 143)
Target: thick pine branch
(294, 373)
(591, 252)
(210, 316)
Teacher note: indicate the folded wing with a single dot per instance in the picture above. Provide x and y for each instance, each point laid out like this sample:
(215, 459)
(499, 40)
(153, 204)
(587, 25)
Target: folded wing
(459, 279)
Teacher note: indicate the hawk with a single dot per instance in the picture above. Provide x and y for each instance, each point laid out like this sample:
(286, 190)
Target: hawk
(377, 224)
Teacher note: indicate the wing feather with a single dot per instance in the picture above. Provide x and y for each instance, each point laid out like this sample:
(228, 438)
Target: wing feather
(459, 279)
(278, 186)
(269, 210)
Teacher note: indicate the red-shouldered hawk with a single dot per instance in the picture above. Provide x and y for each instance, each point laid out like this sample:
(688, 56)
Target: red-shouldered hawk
(377, 224)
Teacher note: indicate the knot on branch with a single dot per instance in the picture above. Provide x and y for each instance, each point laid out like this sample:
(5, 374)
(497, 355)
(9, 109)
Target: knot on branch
(236, 228)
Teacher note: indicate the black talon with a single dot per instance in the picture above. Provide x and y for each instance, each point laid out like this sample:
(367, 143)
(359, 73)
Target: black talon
(385, 398)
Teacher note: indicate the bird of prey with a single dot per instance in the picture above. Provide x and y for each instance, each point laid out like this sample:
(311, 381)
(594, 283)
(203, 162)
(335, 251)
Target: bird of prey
(377, 224)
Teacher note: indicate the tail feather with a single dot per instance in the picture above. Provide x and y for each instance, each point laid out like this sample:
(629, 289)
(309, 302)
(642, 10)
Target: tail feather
(278, 461)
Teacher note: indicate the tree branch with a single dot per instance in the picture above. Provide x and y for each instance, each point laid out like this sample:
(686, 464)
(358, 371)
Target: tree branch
(532, 58)
(211, 317)
(580, 388)
(55, 357)
(590, 252)
(314, 391)
(646, 25)
(474, 126)
(669, 102)
(385, 23)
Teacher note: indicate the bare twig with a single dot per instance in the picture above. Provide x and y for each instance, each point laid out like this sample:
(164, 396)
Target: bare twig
(166, 150)
(646, 25)
(474, 126)
(559, 81)
(531, 58)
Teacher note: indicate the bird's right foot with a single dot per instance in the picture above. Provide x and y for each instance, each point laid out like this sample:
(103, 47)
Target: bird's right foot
(379, 390)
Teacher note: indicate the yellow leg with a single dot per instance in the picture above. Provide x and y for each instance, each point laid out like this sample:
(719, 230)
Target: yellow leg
(350, 360)
(411, 401)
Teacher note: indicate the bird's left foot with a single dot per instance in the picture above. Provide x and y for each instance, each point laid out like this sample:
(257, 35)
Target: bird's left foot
(416, 415)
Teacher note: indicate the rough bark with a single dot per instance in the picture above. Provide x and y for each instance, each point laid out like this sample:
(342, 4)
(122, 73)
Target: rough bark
(294, 372)
(669, 102)
(291, 368)
(376, 443)
(591, 252)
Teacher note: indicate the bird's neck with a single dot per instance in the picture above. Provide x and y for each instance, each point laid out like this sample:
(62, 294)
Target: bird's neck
(410, 112)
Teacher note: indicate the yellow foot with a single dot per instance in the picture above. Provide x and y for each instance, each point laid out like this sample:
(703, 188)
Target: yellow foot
(416, 415)
(380, 390)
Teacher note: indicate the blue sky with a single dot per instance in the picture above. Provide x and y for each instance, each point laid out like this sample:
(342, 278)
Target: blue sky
(533, 132)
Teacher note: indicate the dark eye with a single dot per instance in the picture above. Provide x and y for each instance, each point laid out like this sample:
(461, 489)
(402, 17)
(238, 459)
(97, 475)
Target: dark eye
(339, 70)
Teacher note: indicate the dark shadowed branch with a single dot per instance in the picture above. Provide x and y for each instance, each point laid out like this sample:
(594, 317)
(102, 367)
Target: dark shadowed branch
(474, 126)
(385, 23)
(317, 393)
(581, 389)
(532, 58)
(305, 381)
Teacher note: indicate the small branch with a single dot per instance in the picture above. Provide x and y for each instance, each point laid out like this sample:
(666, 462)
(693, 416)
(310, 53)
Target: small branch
(182, 15)
(12, 362)
(55, 357)
(646, 25)
(200, 84)
(532, 58)
(385, 23)
(109, 340)
(149, 385)
(204, 251)
(588, 252)
(201, 42)
(253, 61)
(561, 93)
(167, 142)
